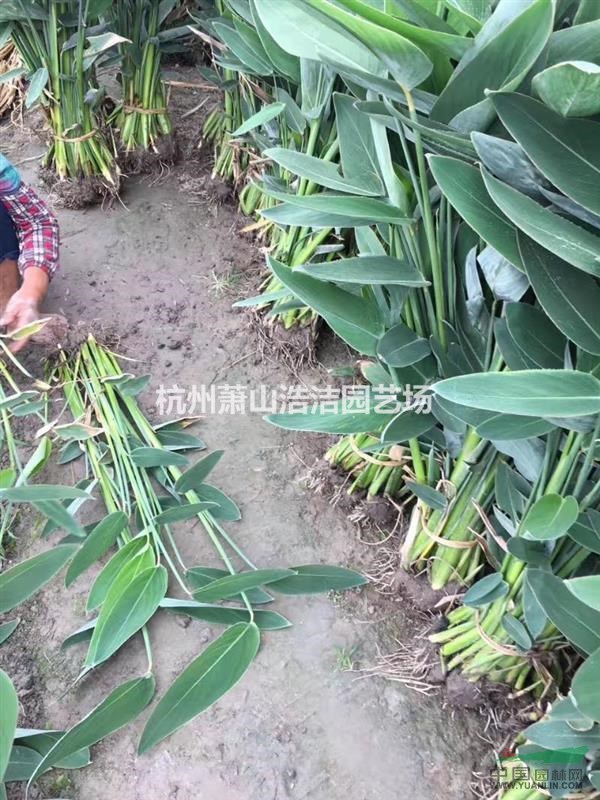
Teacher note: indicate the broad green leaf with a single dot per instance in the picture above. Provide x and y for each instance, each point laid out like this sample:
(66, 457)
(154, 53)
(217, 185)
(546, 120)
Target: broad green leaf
(182, 512)
(282, 61)
(127, 608)
(232, 585)
(98, 542)
(586, 589)
(574, 619)
(564, 149)
(9, 703)
(586, 531)
(558, 735)
(485, 591)
(131, 385)
(23, 580)
(432, 39)
(534, 615)
(224, 507)
(307, 33)
(540, 341)
(7, 629)
(37, 461)
(407, 63)
(563, 238)
(324, 173)
(358, 152)
(575, 42)
(149, 457)
(503, 61)
(550, 517)
(408, 424)
(220, 615)
(82, 634)
(22, 764)
(506, 160)
(121, 706)
(37, 84)
(198, 577)
(531, 393)
(39, 492)
(501, 427)
(571, 299)
(428, 495)
(400, 346)
(202, 682)
(318, 578)
(197, 473)
(327, 420)
(464, 188)
(572, 88)
(361, 317)
(250, 53)
(135, 556)
(58, 517)
(42, 741)
(349, 210)
(517, 631)
(266, 114)
(179, 440)
(585, 687)
(371, 270)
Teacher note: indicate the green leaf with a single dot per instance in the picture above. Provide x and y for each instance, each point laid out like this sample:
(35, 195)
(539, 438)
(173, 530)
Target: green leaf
(574, 619)
(400, 346)
(232, 585)
(371, 270)
(517, 631)
(39, 492)
(134, 557)
(82, 634)
(326, 420)
(266, 114)
(7, 629)
(563, 238)
(198, 577)
(585, 687)
(149, 457)
(22, 764)
(318, 578)
(586, 589)
(98, 542)
(37, 84)
(182, 512)
(558, 735)
(202, 682)
(502, 61)
(23, 580)
(550, 517)
(571, 88)
(9, 703)
(224, 507)
(430, 496)
(408, 424)
(541, 343)
(464, 188)
(407, 63)
(219, 615)
(532, 393)
(571, 299)
(357, 320)
(565, 150)
(485, 591)
(327, 210)
(306, 33)
(121, 706)
(506, 160)
(586, 531)
(131, 385)
(43, 741)
(127, 608)
(179, 440)
(324, 173)
(283, 62)
(358, 152)
(196, 474)
(504, 427)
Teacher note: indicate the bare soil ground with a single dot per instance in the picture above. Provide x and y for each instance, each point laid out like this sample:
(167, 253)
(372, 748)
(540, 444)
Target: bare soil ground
(161, 271)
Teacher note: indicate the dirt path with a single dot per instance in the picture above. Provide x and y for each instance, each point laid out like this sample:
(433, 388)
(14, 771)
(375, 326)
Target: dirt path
(163, 272)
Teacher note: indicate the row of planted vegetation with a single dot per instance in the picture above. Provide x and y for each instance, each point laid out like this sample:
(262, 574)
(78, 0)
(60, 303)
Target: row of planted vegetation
(426, 179)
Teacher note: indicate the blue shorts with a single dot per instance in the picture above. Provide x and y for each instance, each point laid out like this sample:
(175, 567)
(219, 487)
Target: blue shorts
(9, 242)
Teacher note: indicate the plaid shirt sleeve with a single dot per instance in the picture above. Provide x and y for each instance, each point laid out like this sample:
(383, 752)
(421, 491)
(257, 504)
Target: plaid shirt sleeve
(36, 225)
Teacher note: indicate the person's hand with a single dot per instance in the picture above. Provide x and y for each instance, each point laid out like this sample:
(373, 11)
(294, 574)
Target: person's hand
(20, 310)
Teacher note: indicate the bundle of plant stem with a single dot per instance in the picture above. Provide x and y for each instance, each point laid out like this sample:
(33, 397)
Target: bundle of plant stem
(143, 120)
(59, 56)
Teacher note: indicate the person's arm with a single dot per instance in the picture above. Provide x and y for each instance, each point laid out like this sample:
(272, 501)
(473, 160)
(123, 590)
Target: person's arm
(37, 229)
